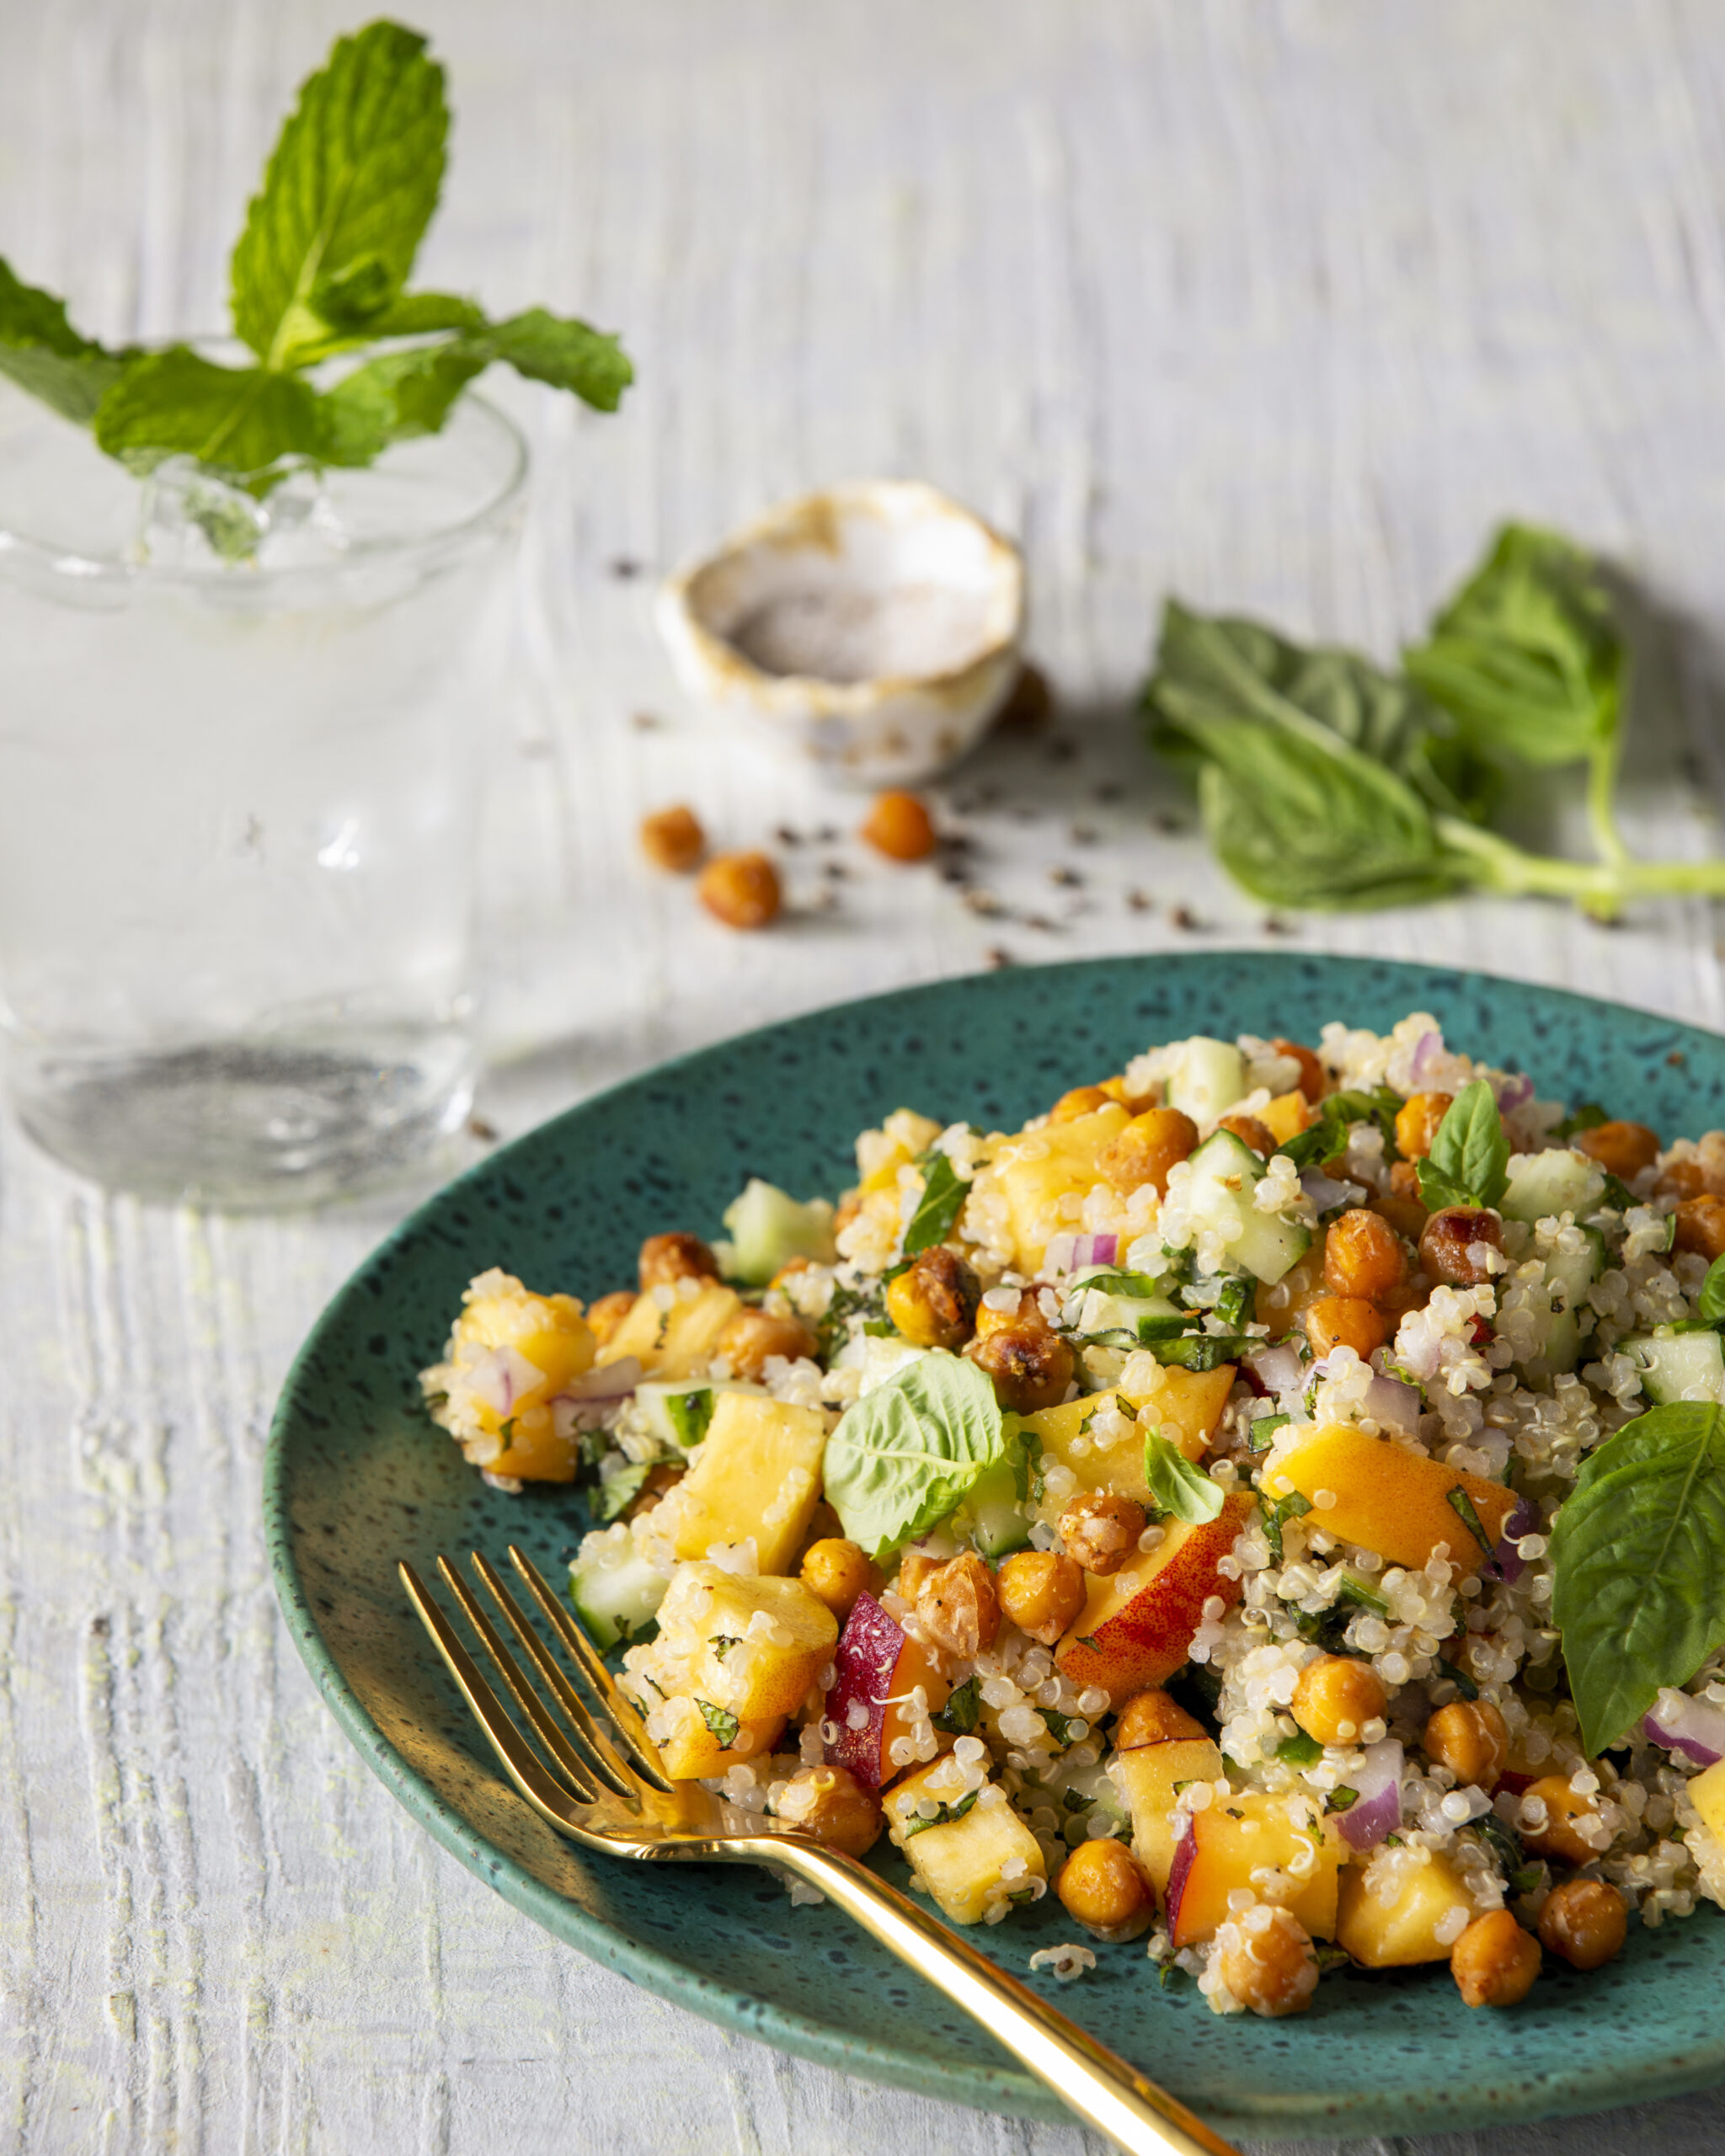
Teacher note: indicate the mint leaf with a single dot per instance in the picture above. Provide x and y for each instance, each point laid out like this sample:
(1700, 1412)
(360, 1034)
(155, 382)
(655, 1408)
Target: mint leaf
(391, 399)
(348, 191)
(43, 353)
(1470, 1153)
(1177, 1486)
(242, 420)
(937, 1209)
(1638, 1555)
(905, 1455)
(568, 355)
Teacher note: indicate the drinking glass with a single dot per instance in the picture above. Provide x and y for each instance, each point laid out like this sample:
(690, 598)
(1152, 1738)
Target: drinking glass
(241, 747)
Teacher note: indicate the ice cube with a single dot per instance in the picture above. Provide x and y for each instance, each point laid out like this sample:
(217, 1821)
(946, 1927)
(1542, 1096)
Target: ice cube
(192, 518)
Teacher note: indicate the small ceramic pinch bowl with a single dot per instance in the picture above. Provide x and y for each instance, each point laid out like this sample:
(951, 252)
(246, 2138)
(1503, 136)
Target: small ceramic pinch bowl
(872, 630)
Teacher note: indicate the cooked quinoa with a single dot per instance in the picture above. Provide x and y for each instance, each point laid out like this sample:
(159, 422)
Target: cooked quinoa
(1179, 1472)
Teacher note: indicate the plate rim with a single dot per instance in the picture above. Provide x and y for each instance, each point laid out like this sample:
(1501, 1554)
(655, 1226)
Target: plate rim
(1006, 2090)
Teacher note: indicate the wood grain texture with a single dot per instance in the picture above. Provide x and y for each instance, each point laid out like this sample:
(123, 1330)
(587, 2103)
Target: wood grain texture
(1274, 306)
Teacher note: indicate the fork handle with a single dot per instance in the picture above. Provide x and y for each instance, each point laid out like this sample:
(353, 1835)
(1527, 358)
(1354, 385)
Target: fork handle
(1112, 2095)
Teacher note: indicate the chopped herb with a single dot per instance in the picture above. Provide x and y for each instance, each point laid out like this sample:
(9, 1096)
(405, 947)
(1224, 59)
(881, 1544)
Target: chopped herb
(1172, 1976)
(963, 1710)
(879, 1328)
(832, 1329)
(1236, 1302)
(1326, 1628)
(618, 1492)
(1276, 1516)
(1300, 1750)
(1462, 1505)
(1186, 1784)
(1023, 1895)
(1059, 1726)
(1264, 1429)
(1074, 1800)
(1088, 1640)
(1140, 1286)
(1175, 1485)
(1329, 1957)
(689, 1414)
(943, 1817)
(723, 1724)
(1459, 1678)
(1350, 1589)
(1327, 1138)
(1199, 1351)
(942, 1200)
(722, 1642)
(1341, 1798)
(1588, 1116)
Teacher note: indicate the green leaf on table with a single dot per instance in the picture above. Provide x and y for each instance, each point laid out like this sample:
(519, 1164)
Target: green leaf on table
(937, 1209)
(240, 420)
(904, 1455)
(42, 352)
(349, 189)
(1318, 780)
(1469, 1162)
(1638, 1559)
(1526, 658)
(1177, 1486)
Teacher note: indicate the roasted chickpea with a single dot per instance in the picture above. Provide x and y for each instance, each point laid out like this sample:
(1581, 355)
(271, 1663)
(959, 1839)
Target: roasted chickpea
(1029, 1366)
(1268, 1964)
(1469, 1736)
(741, 889)
(957, 1608)
(1153, 1718)
(1101, 1885)
(1448, 1239)
(1683, 1179)
(1417, 1122)
(1039, 1592)
(608, 1313)
(933, 1301)
(1145, 1151)
(1621, 1149)
(1560, 1836)
(836, 1571)
(750, 1340)
(1102, 1531)
(1250, 1132)
(831, 1804)
(1585, 1920)
(673, 839)
(1336, 1697)
(667, 1259)
(1345, 1321)
(1082, 1100)
(1027, 1310)
(899, 826)
(1403, 1208)
(1363, 1257)
(1700, 1226)
(1312, 1081)
(914, 1567)
(1494, 1962)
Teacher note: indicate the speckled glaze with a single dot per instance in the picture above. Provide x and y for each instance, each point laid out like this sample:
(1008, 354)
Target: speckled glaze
(358, 1476)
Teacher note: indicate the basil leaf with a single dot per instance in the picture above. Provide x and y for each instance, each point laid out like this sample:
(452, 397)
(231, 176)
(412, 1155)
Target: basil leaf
(1264, 1429)
(1341, 1798)
(1141, 1285)
(1459, 1678)
(1638, 1555)
(722, 1643)
(42, 352)
(1711, 1305)
(1337, 1113)
(721, 1722)
(1198, 1351)
(1301, 1750)
(1526, 657)
(1465, 1510)
(1294, 1506)
(1350, 1589)
(937, 1209)
(1177, 1484)
(1588, 1116)
(1059, 1726)
(963, 1710)
(905, 1455)
(619, 1491)
(943, 1817)
(1471, 1152)
(1436, 1191)
(349, 189)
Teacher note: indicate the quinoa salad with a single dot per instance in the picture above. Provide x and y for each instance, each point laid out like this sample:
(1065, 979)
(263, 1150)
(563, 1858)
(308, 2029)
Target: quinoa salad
(1274, 1501)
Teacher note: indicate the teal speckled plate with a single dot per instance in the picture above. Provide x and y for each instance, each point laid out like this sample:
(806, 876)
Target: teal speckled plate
(358, 1477)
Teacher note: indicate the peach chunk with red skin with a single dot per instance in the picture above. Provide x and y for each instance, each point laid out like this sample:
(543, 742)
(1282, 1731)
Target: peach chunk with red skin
(1136, 1626)
(1235, 1836)
(1387, 1499)
(876, 1666)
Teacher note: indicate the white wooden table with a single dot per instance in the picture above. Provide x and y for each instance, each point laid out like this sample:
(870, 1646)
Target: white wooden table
(1275, 307)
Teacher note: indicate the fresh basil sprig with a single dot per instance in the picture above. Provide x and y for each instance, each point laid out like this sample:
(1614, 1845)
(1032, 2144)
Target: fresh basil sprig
(1638, 1559)
(944, 1191)
(1712, 1304)
(1469, 1161)
(319, 270)
(906, 1454)
(1327, 1136)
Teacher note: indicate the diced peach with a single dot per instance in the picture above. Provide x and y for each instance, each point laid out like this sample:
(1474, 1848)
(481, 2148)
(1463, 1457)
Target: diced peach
(755, 1671)
(1187, 1406)
(1151, 1777)
(679, 1342)
(1237, 1836)
(756, 1473)
(693, 1751)
(1035, 1172)
(1396, 1933)
(1389, 1499)
(964, 1862)
(1707, 1792)
(1136, 1626)
(876, 1666)
(1286, 1116)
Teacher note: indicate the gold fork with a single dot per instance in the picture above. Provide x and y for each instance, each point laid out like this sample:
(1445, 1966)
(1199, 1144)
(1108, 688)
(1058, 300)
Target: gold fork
(608, 1791)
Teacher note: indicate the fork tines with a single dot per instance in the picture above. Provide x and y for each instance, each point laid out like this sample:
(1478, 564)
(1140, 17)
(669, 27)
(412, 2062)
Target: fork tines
(589, 1759)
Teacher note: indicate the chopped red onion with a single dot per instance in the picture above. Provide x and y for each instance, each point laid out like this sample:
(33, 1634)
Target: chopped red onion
(1058, 1257)
(1376, 1810)
(500, 1375)
(1326, 1194)
(1279, 1369)
(1095, 1250)
(1506, 1558)
(1424, 1066)
(608, 1381)
(1393, 1402)
(1693, 1727)
(1515, 1093)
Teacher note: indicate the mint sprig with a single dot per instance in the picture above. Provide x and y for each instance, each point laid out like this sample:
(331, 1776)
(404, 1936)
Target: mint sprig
(319, 272)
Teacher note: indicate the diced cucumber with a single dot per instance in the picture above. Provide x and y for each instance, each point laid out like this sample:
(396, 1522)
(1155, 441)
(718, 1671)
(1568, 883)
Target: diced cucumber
(1678, 1365)
(1100, 1314)
(1568, 1275)
(1543, 1185)
(1087, 1793)
(1225, 1172)
(994, 1517)
(615, 1591)
(677, 1413)
(1209, 1076)
(768, 1227)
